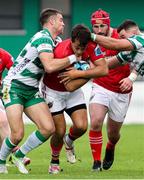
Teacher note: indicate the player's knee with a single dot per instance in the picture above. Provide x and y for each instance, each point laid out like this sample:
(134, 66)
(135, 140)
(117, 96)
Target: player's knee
(60, 132)
(17, 136)
(48, 130)
(82, 127)
(3, 120)
(96, 125)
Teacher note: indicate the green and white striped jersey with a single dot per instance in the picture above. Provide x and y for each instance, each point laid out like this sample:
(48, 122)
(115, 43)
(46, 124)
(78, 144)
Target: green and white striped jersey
(28, 69)
(135, 57)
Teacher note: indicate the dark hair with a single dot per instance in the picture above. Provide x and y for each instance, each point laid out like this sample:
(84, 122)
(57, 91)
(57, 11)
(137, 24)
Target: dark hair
(81, 33)
(127, 24)
(46, 13)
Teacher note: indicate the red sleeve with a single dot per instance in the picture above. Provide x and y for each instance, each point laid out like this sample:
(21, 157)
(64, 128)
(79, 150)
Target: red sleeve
(7, 59)
(94, 52)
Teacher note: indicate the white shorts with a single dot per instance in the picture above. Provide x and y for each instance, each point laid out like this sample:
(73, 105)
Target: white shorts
(59, 101)
(116, 103)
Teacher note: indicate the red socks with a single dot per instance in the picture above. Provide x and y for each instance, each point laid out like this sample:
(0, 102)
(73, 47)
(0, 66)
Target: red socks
(95, 139)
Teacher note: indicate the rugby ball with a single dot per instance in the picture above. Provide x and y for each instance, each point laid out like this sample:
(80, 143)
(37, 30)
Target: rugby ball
(81, 65)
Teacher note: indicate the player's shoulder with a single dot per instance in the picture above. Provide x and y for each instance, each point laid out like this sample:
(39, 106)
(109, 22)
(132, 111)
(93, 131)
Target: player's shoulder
(114, 33)
(63, 49)
(91, 44)
(3, 52)
(66, 42)
(42, 35)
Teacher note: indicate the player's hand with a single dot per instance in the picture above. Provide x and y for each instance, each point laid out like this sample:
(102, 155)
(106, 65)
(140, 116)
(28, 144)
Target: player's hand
(68, 75)
(125, 84)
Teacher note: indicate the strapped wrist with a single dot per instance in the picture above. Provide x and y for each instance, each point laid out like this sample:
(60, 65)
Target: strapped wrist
(93, 36)
(72, 58)
(132, 77)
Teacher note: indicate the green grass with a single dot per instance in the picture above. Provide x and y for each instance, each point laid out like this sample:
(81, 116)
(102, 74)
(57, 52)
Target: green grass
(129, 159)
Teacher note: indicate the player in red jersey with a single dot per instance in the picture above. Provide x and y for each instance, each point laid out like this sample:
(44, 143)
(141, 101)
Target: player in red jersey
(6, 61)
(108, 98)
(73, 103)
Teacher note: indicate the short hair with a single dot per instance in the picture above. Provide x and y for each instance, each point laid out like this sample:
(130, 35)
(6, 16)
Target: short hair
(81, 33)
(127, 24)
(46, 13)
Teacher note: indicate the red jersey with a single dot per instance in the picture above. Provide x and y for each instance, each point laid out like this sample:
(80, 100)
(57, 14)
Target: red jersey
(6, 61)
(64, 49)
(111, 81)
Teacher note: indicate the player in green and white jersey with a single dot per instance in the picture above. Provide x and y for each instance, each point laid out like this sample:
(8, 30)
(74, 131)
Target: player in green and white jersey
(21, 92)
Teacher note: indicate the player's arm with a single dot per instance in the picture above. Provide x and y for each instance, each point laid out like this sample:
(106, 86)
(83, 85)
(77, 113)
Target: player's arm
(127, 83)
(100, 69)
(7, 58)
(113, 62)
(46, 55)
(112, 43)
(75, 84)
(120, 59)
(52, 64)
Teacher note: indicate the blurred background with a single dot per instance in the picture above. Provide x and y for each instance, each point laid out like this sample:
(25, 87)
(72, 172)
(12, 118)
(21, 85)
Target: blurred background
(19, 20)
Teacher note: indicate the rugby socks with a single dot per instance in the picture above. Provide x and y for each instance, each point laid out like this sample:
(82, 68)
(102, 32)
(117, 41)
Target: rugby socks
(6, 149)
(74, 134)
(95, 139)
(32, 142)
(110, 145)
(70, 137)
(55, 153)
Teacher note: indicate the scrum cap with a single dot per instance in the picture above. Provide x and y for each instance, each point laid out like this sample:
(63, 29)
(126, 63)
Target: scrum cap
(100, 15)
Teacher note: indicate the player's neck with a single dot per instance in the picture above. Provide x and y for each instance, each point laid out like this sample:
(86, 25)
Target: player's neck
(52, 32)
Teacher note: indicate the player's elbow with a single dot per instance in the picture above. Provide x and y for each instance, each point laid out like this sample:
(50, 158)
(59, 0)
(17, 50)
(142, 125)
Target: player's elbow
(49, 69)
(105, 71)
(70, 88)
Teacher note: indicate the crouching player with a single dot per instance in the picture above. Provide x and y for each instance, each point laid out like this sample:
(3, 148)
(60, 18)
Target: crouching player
(73, 103)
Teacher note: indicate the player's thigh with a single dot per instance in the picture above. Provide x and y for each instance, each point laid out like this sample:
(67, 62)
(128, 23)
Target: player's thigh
(80, 118)
(119, 106)
(54, 99)
(75, 98)
(4, 125)
(98, 104)
(39, 113)
(76, 108)
(60, 124)
(97, 114)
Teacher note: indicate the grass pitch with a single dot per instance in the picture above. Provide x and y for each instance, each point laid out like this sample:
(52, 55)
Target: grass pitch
(128, 164)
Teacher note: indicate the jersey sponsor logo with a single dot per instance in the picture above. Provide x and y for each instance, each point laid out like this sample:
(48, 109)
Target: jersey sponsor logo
(45, 47)
(97, 51)
(20, 66)
(50, 104)
(6, 96)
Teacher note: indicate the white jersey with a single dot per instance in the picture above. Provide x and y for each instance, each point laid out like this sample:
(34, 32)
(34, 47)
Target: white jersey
(28, 69)
(136, 57)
